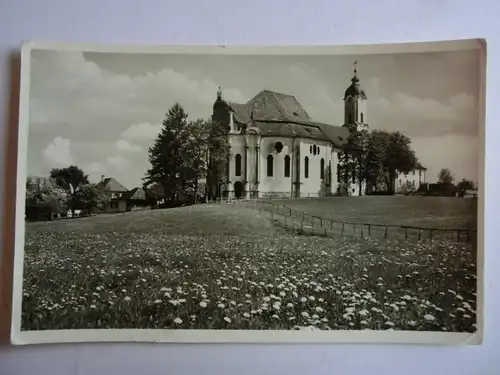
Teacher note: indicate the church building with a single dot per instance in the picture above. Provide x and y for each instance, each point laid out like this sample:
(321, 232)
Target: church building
(278, 150)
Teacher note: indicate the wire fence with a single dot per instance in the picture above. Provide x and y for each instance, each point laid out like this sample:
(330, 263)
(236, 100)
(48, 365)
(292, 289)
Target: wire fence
(303, 223)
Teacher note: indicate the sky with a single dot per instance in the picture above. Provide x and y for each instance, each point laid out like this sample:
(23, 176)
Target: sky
(101, 111)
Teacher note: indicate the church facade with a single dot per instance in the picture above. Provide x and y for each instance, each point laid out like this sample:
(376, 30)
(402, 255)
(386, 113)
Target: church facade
(278, 150)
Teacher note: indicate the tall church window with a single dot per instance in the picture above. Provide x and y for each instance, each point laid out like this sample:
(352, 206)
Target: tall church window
(322, 169)
(287, 166)
(329, 173)
(362, 118)
(270, 162)
(306, 167)
(237, 165)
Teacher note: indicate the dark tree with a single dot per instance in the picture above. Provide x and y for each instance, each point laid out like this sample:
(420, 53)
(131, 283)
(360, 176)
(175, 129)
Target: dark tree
(465, 185)
(445, 176)
(354, 156)
(399, 157)
(70, 179)
(167, 153)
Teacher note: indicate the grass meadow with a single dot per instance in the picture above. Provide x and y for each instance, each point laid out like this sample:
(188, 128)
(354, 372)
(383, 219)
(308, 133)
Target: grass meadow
(227, 267)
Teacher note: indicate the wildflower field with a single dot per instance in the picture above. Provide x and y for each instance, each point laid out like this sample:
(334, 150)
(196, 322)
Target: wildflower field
(226, 267)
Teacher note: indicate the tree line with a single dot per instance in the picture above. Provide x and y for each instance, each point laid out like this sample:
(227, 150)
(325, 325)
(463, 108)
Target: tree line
(67, 189)
(373, 159)
(187, 159)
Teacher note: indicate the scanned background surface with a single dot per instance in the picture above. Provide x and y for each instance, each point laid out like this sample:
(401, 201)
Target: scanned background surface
(333, 24)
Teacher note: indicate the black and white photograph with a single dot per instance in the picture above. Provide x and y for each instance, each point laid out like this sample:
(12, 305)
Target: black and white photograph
(268, 190)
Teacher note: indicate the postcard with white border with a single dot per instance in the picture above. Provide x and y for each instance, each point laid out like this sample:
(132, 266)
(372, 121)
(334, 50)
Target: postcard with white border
(218, 194)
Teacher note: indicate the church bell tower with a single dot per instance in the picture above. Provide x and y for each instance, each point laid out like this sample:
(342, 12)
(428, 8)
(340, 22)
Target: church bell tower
(355, 102)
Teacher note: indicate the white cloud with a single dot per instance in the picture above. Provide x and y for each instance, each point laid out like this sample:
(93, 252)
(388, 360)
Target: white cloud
(125, 146)
(142, 131)
(117, 161)
(57, 154)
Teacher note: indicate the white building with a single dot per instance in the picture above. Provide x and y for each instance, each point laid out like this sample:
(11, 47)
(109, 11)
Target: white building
(410, 181)
(278, 150)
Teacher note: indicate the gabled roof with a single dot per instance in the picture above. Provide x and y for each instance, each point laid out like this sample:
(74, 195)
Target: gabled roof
(111, 185)
(279, 114)
(135, 194)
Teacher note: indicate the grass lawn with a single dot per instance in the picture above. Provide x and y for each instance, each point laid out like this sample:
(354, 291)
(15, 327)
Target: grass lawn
(220, 266)
(436, 212)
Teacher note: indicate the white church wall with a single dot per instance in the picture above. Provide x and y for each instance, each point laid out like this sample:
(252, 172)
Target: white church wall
(313, 185)
(237, 143)
(276, 185)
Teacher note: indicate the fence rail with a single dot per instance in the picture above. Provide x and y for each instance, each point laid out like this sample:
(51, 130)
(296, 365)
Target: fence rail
(304, 223)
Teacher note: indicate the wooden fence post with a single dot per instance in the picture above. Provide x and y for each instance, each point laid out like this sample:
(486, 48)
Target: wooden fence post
(325, 232)
(385, 235)
(321, 221)
(406, 233)
(331, 224)
(369, 230)
(458, 235)
(430, 235)
(342, 231)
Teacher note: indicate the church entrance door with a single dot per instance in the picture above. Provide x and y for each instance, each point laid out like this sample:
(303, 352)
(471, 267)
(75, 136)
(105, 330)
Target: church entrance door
(238, 189)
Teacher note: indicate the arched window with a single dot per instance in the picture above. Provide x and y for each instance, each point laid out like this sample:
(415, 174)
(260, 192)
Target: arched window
(270, 162)
(322, 169)
(306, 167)
(314, 149)
(237, 165)
(329, 173)
(317, 150)
(362, 118)
(287, 166)
(310, 149)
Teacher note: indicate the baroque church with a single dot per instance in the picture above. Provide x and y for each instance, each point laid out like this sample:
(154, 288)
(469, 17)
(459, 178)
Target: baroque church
(278, 150)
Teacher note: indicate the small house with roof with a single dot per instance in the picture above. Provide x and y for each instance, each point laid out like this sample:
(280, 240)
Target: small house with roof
(115, 192)
(135, 198)
(412, 180)
(278, 150)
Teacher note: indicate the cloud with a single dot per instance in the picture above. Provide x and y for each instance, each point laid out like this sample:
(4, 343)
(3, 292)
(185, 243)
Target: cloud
(117, 161)
(142, 131)
(424, 116)
(57, 154)
(125, 146)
